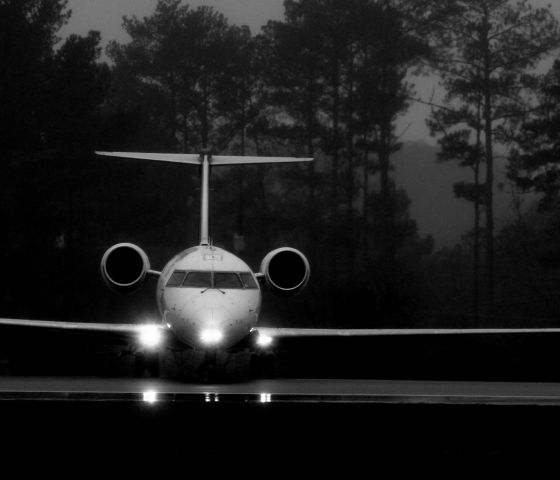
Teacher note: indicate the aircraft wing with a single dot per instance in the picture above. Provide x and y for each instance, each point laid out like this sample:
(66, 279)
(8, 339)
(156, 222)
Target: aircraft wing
(123, 328)
(377, 332)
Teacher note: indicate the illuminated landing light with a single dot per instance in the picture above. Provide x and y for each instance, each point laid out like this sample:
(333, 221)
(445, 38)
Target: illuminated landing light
(264, 341)
(266, 398)
(150, 396)
(211, 336)
(150, 336)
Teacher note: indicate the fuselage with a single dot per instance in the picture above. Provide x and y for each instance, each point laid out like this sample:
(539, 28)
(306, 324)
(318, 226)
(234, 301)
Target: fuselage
(208, 297)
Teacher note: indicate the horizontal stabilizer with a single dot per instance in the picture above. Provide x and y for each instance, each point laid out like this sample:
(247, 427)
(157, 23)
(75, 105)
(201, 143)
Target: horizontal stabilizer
(159, 157)
(238, 160)
(195, 159)
(377, 332)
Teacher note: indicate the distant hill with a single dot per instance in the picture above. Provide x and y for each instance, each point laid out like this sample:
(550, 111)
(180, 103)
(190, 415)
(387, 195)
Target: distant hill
(429, 184)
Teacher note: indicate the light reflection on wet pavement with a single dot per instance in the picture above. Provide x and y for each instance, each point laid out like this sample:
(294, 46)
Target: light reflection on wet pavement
(279, 390)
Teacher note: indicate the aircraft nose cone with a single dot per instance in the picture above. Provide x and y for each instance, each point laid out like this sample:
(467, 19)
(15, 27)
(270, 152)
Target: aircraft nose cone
(211, 319)
(203, 316)
(212, 325)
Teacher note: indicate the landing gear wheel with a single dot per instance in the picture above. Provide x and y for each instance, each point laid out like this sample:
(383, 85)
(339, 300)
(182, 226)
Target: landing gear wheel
(146, 362)
(152, 364)
(208, 371)
(263, 365)
(139, 364)
(269, 365)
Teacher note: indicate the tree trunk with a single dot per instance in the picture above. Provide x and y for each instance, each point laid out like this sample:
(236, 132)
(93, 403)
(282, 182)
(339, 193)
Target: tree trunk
(489, 186)
(387, 200)
(476, 244)
(335, 139)
(350, 173)
(365, 199)
(476, 241)
(336, 160)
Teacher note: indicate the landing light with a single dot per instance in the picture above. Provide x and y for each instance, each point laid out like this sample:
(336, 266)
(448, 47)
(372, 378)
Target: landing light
(150, 336)
(211, 336)
(150, 396)
(264, 340)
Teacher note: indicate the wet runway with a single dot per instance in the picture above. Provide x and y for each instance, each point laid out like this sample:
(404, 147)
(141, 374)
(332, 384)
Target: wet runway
(281, 391)
(280, 424)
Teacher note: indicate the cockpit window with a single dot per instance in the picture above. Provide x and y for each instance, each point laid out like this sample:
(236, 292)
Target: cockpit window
(198, 279)
(227, 280)
(221, 280)
(176, 278)
(248, 280)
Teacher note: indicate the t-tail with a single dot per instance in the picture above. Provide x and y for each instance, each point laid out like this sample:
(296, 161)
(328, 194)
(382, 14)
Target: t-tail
(205, 160)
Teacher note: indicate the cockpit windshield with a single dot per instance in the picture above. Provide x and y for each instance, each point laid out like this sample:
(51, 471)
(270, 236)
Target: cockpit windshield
(227, 280)
(198, 279)
(220, 280)
(248, 280)
(176, 278)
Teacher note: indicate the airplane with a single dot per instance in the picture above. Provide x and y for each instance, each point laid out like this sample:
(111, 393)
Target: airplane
(208, 298)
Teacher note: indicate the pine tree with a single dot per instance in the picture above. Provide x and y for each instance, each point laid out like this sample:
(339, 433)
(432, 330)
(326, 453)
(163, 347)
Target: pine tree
(485, 52)
(535, 158)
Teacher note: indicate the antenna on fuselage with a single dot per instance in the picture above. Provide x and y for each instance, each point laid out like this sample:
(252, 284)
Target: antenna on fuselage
(205, 159)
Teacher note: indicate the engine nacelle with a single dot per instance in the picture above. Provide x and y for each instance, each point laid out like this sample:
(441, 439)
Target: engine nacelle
(286, 271)
(124, 267)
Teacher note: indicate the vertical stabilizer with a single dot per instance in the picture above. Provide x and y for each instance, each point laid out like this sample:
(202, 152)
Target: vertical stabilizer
(204, 199)
(205, 160)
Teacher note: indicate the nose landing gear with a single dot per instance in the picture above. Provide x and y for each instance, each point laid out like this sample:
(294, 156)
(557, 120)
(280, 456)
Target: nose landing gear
(146, 362)
(208, 371)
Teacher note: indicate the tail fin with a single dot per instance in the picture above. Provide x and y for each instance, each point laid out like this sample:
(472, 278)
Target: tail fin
(205, 160)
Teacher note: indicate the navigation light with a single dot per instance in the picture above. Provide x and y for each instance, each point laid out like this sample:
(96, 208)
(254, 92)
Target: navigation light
(264, 340)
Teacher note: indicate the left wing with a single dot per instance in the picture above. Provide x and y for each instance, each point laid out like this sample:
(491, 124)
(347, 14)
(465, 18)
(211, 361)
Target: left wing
(376, 332)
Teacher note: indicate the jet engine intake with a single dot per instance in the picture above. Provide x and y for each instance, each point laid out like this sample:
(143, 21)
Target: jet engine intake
(124, 267)
(285, 271)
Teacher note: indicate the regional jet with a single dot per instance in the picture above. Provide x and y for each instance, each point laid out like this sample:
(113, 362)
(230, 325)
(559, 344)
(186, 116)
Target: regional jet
(208, 298)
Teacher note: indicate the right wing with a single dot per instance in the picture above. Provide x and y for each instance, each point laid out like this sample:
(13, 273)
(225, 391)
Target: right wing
(272, 332)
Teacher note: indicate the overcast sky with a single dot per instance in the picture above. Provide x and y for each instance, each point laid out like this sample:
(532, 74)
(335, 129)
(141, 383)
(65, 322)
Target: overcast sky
(106, 16)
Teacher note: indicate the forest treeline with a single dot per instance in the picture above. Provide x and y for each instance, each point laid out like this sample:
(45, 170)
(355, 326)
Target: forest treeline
(330, 81)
